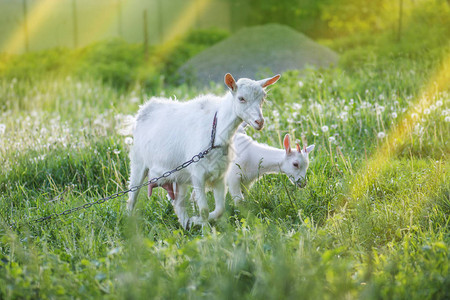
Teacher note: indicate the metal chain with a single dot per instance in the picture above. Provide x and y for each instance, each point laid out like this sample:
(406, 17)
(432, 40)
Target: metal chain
(194, 159)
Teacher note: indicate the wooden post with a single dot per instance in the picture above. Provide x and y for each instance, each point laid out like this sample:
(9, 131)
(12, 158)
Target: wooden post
(145, 36)
(160, 21)
(119, 17)
(400, 15)
(75, 24)
(25, 25)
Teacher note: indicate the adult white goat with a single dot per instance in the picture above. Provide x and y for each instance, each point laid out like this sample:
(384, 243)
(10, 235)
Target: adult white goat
(167, 133)
(254, 159)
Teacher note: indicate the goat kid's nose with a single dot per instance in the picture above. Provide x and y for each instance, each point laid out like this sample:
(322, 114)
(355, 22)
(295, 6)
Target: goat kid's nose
(260, 122)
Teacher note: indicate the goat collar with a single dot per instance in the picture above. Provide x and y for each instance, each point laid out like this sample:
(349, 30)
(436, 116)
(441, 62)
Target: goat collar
(213, 132)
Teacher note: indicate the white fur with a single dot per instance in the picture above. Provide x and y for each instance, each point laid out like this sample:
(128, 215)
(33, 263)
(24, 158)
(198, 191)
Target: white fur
(168, 133)
(253, 159)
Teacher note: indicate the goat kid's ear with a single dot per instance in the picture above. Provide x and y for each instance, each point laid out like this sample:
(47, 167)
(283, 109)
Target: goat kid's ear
(269, 81)
(287, 144)
(308, 149)
(230, 82)
(298, 147)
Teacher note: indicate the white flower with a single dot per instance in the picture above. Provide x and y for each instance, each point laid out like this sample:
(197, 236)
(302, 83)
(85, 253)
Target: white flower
(426, 111)
(334, 126)
(2, 128)
(432, 107)
(297, 106)
(116, 151)
(331, 139)
(447, 119)
(324, 128)
(275, 113)
(439, 103)
(414, 115)
(300, 84)
(394, 115)
(128, 140)
(381, 135)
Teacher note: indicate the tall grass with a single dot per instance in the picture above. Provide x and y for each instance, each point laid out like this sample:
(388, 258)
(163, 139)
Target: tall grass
(61, 147)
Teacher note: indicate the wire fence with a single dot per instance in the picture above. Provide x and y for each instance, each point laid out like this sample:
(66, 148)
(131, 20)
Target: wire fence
(29, 25)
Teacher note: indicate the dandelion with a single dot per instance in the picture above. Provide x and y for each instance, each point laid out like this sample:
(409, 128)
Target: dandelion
(394, 115)
(297, 106)
(275, 113)
(116, 151)
(426, 111)
(324, 128)
(432, 107)
(414, 115)
(444, 112)
(300, 84)
(334, 126)
(447, 119)
(381, 135)
(331, 139)
(290, 120)
(2, 128)
(439, 103)
(128, 140)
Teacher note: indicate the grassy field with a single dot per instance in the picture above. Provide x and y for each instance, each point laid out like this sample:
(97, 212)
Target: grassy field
(373, 221)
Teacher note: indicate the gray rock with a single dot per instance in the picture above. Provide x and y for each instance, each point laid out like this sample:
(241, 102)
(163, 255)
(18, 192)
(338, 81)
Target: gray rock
(254, 52)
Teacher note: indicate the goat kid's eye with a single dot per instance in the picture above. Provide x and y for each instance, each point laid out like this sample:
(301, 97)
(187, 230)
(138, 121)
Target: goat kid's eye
(295, 165)
(242, 100)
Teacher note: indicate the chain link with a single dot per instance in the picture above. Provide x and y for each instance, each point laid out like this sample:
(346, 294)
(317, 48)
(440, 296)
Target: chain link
(194, 159)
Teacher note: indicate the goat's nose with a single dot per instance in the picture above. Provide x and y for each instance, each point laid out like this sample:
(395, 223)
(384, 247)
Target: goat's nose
(260, 122)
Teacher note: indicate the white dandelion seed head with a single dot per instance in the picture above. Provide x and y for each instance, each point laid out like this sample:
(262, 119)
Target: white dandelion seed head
(300, 84)
(381, 135)
(128, 140)
(116, 151)
(394, 115)
(447, 119)
(432, 107)
(414, 115)
(426, 111)
(275, 113)
(439, 103)
(331, 139)
(324, 128)
(2, 128)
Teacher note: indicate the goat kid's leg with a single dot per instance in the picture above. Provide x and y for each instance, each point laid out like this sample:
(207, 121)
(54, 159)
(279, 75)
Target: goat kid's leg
(234, 187)
(200, 197)
(138, 174)
(219, 198)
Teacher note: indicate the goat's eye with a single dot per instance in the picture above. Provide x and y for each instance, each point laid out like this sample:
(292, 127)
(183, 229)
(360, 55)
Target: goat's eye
(295, 164)
(242, 100)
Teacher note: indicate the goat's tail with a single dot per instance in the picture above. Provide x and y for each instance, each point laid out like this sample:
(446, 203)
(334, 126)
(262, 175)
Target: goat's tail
(127, 125)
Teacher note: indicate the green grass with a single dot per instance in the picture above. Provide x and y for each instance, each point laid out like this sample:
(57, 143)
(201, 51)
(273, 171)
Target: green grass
(61, 147)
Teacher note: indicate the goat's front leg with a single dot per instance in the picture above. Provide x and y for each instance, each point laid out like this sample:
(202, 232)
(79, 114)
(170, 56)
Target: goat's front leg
(200, 197)
(219, 198)
(179, 205)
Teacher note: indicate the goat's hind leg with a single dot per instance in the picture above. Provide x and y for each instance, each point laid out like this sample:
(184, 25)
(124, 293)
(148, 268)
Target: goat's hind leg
(219, 198)
(179, 204)
(137, 176)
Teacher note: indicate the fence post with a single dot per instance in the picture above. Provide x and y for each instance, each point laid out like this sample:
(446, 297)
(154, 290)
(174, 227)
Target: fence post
(400, 15)
(25, 25)
(119, 12)
(160, 17)
(75, 23)
(145, 36)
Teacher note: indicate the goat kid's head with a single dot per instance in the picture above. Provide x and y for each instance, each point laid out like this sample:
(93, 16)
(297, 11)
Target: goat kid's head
(295, 162)
(248, 97)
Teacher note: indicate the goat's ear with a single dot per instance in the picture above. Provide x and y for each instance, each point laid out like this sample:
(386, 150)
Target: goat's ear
(287, 144)
(308, 149)
(269, 81)
(230, 82)
(298, 147)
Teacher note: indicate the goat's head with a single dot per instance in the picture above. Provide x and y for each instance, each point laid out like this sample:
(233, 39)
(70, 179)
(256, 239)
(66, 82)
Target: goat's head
(248, 96)
(295, 162)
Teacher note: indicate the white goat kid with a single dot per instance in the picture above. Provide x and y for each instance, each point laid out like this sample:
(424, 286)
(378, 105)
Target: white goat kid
(254, 159)
(168, 133)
